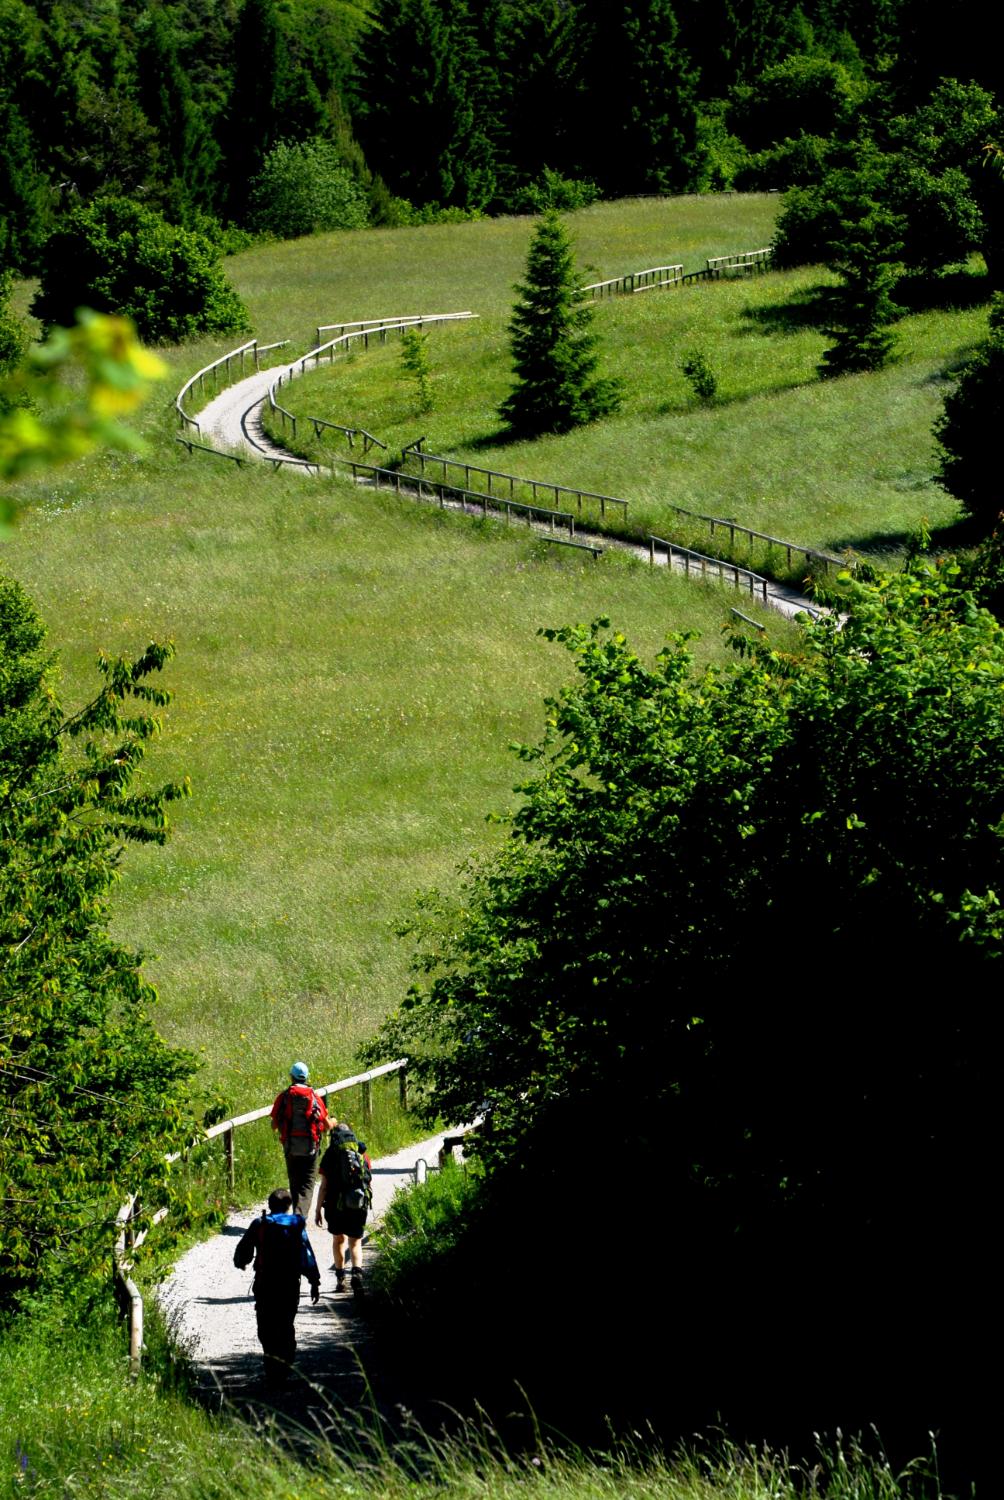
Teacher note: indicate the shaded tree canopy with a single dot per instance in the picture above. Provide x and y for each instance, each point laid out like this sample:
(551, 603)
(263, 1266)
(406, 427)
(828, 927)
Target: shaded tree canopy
(116, 256)
(968, 431)
(743, 936)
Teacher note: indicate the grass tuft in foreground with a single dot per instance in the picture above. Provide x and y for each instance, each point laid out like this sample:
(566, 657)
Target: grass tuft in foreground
(101, 1436)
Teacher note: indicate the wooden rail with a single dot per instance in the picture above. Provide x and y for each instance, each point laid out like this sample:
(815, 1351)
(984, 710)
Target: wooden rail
(127, 1240)
(363, 330)
(393, 479)
(384, 325)
(422, 458)
(697, 562)
(792, 549)
(714, 523)
(744, 262)
(634, 281)
(252, 347)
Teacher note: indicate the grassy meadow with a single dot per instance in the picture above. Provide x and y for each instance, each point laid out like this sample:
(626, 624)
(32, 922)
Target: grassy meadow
(838, 464)
(351, 670)
(97, 1436)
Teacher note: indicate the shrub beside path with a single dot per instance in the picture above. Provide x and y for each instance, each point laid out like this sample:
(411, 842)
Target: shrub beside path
(232, 421)
(208, 1306)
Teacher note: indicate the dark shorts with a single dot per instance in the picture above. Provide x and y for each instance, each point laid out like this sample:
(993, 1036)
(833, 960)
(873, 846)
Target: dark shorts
(350, 1221)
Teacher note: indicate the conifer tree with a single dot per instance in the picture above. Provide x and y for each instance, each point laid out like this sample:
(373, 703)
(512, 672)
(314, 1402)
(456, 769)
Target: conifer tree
(269, 100)
(968, 431)
(553, 348)
(536, 85)
(863, 308)
(420, 85)
(190, 158)
(644, 139)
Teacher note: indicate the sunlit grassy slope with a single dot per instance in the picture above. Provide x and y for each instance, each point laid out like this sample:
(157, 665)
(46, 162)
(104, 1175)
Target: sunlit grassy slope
(836, 464)
(351, 670)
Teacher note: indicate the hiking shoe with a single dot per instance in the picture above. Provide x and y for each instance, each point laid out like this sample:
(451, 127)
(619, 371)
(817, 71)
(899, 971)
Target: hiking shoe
(339, 1280)
(358, 1289)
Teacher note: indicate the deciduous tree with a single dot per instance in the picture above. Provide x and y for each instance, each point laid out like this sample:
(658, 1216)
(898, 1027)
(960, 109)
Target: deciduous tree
(90, 1097)
(117, 256)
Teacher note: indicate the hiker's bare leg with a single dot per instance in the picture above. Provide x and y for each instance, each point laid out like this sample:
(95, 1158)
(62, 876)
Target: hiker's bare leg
(355, 1250)
(338, 1248)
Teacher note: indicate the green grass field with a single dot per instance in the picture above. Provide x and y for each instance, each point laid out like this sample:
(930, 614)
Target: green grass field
(350, 672)
(841, 464)
(351, 668)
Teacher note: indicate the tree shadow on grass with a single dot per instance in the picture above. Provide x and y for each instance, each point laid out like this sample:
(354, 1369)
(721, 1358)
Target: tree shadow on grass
(956, 290)
(806, 310)
(951, 537)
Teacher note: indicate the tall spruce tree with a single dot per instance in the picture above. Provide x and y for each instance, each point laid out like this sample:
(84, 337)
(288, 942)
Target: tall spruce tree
(534, 118)
(190, 158)
(553, 348)
(270, 99)
(420, 82)
(645, 138)
(862, 307)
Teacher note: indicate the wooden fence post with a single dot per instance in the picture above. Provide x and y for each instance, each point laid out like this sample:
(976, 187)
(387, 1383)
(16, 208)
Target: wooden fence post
(228, 1155)
(367, 1102)
(402, 1084)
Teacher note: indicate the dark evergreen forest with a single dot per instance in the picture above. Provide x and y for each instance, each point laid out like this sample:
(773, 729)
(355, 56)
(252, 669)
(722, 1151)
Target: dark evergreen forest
(450, 106)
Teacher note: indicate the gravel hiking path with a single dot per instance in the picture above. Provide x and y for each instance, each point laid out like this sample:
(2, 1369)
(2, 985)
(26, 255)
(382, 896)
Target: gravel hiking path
(232, 422)
(209, 1309)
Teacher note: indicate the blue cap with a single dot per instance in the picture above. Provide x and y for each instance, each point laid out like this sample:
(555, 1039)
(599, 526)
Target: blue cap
(299, 1072)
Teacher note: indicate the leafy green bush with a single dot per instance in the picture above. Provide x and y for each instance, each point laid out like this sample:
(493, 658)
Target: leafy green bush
(400, 213)
(13, 334)
(925, 171)
(794, 162)
(114, 255)
(800, 94)
(551, 190)
(304, 187)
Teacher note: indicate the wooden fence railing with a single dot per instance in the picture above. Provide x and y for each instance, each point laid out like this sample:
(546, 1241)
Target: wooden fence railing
(715, 523)
(355, 331)
(747, 262)
(128, 1239)
(383, 326)
(635, 281)
(791, 549)
(476, 500)
(417, 454)
(696, 562)
(742, 262)
(691, 561)
(252, 348)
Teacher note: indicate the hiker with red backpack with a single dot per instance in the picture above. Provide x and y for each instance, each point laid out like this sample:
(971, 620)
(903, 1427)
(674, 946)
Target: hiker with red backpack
(344, 1199)
(280, 1249)
(301, 1118)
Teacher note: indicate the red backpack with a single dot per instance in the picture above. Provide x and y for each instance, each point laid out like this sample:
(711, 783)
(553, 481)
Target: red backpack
(301, 1120)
